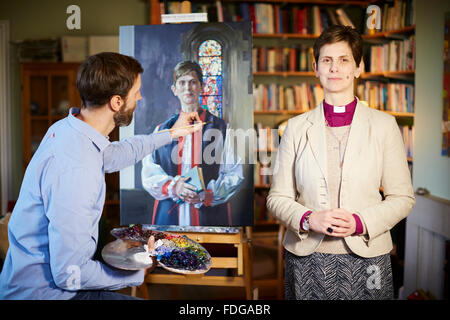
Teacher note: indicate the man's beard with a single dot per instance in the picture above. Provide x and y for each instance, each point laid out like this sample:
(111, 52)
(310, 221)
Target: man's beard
(123, 117)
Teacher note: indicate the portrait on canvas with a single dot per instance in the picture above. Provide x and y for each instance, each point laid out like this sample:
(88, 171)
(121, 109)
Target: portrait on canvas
(206, 178)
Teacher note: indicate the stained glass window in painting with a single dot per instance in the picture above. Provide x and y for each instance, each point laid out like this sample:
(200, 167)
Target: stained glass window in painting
(213, 85)
(211, 65)
(210, 48)
(211, 61)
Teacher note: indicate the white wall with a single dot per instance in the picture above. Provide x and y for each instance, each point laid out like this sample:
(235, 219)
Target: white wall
(430, 170)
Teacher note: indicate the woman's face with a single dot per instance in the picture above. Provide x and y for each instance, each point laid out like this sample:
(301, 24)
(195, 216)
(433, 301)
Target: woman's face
(336, 68)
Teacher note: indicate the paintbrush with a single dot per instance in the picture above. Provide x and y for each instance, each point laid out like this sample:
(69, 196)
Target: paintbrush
(185, 127)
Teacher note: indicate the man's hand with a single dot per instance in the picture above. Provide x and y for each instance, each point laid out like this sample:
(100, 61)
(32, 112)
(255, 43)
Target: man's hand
(339, 220)
(187, 123)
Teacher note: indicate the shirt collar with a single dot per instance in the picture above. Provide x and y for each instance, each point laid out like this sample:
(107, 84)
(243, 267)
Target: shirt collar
(335, 119)
(96, 137)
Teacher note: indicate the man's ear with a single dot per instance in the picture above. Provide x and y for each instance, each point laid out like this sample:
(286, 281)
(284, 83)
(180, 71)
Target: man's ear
(172, 87)
(116, 102)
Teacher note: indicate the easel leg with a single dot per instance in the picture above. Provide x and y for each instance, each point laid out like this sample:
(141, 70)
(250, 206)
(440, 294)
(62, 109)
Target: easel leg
(143, 290)
(247, 272)
(175, 292)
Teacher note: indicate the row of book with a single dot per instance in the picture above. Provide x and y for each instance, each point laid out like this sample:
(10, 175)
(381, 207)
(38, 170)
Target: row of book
(397, 55)
(271, 18)
(276, 97)
(395, 97)
(276, 18)
(294, 58)
(395, 15)
(267, 18)
(408, 138)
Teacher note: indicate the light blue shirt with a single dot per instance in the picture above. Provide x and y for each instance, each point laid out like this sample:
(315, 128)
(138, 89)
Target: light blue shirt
(53, 230)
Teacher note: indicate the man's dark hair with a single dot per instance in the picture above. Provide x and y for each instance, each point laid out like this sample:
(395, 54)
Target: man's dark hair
(337, 33)
(184, 67)
(106, 74)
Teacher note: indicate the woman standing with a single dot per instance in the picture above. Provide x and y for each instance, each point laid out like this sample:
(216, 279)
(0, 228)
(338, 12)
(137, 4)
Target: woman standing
(330, 166)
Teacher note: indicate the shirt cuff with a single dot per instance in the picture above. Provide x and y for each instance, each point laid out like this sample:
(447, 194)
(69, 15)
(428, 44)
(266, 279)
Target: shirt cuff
(359, 225)
(303, 218)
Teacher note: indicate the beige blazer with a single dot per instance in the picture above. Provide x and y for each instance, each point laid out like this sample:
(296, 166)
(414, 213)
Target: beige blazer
(375, 156)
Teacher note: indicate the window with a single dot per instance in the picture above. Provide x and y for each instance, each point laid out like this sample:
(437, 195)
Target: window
(210, 59)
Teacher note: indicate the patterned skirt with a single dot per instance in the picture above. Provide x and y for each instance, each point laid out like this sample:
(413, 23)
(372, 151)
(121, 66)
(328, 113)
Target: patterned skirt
(323, 276)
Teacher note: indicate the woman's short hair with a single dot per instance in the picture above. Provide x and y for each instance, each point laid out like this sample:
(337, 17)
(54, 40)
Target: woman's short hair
(184, 67)
(337, 33)
(106, 74)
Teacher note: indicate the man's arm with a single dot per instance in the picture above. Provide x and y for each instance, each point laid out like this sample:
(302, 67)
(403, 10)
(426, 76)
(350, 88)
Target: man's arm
(127, 152)
(124, 153)
(71, 204)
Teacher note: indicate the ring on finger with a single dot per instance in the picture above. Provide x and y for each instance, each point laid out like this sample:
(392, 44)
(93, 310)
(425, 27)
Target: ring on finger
(330, 230)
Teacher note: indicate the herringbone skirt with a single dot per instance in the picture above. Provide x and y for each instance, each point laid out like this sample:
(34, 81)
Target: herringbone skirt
(323, 276)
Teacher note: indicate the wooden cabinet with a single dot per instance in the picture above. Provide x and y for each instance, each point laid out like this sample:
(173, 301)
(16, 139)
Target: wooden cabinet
(48, 91)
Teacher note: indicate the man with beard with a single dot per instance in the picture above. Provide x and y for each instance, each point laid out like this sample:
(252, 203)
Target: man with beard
(53, 230)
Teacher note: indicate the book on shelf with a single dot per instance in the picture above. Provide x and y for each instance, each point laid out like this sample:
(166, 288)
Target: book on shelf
(275, 97)
(343, 18)
(397, 55)
(394, 97)
(294, 58)
(408, 138)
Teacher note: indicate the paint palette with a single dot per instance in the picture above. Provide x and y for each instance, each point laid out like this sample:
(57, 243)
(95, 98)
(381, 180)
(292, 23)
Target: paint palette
(128, 255)
(175, 253)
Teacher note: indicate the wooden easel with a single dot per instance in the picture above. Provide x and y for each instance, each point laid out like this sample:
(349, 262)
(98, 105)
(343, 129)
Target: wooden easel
(242, 263)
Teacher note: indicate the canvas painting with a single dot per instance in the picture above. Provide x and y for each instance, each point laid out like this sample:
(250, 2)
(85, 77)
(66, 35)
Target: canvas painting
(205, 66)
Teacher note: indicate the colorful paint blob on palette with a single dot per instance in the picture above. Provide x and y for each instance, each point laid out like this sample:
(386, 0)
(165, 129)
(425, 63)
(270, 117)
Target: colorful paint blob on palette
(172, 250)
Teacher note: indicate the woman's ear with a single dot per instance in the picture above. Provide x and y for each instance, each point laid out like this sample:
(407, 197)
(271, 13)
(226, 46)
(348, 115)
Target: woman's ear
(314, 66)
(359, 69)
